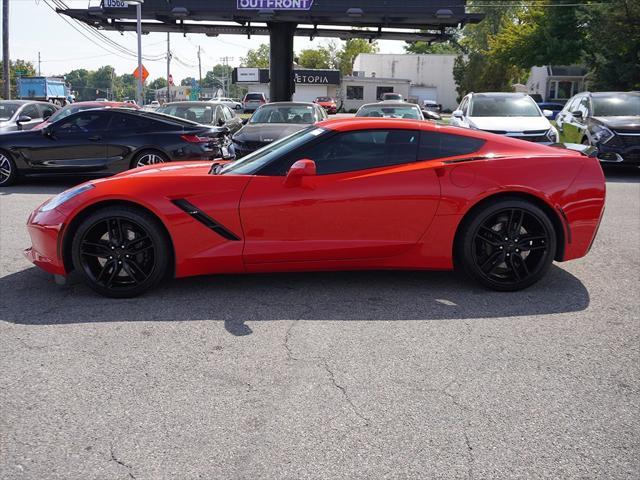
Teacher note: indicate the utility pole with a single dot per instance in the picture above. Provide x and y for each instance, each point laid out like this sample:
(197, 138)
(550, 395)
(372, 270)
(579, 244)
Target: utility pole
(199, 72)
(168, 68)
(6, 63)
(39, 74)
(227, 77)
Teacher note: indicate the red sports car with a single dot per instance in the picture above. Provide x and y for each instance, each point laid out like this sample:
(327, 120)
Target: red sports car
(343, 194)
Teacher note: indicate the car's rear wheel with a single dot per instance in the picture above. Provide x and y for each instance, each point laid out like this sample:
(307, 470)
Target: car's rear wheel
(507, 244)
(8, 170)
(120, 252)
(148, 157)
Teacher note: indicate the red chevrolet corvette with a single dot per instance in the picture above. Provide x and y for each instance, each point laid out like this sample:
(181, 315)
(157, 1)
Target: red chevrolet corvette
(344, 194)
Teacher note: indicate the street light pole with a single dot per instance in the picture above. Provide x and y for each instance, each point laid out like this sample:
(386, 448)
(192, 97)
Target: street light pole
(6, 63)
(139, 27)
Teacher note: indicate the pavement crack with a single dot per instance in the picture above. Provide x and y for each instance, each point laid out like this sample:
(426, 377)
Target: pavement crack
(345, 394)
(470, 454)
(121, 463)
(286, 344)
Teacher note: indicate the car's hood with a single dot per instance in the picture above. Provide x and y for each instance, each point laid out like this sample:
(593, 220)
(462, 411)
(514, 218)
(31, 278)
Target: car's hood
(167, 169)
(265, 133)
(510, 124)
(626, 123)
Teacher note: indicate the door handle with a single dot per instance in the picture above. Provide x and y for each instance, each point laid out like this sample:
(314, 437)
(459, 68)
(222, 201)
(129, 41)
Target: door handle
(94, 138)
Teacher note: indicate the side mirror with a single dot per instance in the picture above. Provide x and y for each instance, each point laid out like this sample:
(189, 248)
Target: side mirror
(577, 114)
(547, 113)
(301, 168)
(23, 119)
(221, 122)
(457, 113)
(245, 121)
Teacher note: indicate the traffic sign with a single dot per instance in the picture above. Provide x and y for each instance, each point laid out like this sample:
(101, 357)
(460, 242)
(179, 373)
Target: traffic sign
(145, 73)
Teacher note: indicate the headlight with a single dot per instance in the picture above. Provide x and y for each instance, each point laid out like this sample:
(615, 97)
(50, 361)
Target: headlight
(601, 135)
(552, 135)
(65, 196)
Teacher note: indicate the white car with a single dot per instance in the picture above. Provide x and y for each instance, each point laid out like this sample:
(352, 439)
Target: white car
(229, 102)
(515, 115)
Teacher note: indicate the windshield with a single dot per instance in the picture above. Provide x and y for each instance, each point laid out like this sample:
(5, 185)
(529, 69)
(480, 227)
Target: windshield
(66, 111)
(163, 116)
(621, 105)
(253, 162)
(253, 96)
(8, 110)
(200, 113)
(391, 96)
(389, 112)
(324, 99)
(503, 106)
(284, 114)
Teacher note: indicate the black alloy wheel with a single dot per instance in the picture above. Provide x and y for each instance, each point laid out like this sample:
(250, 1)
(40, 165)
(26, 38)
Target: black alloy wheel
(120, 252)
(8, 172)
(508, 245)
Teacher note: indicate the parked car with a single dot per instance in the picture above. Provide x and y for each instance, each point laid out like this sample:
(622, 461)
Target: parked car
(229, 102)
(609, 121)
(388, 109)
(206, 113)
(554, 108)
(274, 121)
(392, 97)
(102, 142)
(252, 101)
(432, 106)
(344, 194)
(18, 115)
(328, 103)
(79, 107)
(515, 115)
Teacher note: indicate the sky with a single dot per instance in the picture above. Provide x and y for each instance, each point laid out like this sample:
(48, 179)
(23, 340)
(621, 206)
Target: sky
(34, 28)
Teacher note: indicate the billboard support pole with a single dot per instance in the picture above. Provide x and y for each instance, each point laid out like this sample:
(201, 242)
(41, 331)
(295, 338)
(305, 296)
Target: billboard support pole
(281, 86)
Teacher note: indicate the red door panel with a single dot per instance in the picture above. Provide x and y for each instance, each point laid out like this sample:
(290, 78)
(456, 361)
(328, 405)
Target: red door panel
(363, 214)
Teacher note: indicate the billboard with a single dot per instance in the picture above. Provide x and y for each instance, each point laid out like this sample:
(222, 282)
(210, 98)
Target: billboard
(248, 75)
(274, 4)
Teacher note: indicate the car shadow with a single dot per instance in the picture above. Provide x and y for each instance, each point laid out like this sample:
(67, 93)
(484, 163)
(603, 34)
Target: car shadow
(621, 173)
(47, 185)
(31, 298)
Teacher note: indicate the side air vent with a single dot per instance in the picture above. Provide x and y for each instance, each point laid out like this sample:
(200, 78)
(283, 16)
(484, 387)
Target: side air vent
(204, 219)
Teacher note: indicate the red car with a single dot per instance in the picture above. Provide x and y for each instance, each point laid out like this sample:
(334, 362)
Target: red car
(344, 194)
(328, 103)
(80, 106)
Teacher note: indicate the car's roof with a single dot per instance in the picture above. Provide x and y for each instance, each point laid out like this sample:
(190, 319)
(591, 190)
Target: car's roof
(500, 94)
(608, 94)
(195, 102)
(389, 104)
(99, 104)
(288, 104)
(22, 102)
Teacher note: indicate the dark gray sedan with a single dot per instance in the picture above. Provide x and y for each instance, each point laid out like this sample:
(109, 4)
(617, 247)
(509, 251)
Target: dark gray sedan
(273, 121)
(206, 113)
(18, 115)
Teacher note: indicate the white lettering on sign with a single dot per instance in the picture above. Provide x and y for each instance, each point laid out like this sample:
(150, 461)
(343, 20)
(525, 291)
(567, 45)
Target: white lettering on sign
(274, 4)
(311, 78)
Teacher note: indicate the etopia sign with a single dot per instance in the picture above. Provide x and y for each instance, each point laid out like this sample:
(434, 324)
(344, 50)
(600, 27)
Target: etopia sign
(275, 4)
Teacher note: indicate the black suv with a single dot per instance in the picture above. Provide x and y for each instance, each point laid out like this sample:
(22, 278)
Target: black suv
(609, 121)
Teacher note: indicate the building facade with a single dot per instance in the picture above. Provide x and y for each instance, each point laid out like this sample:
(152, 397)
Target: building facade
(556, 83)
(430, 76)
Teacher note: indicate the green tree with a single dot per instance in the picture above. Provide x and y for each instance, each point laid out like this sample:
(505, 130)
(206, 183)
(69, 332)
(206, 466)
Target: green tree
(17, 65)
(350, 50)
(315, 58)
(258, 58)
(612, 45)
(158, 83)
(187, 81)
(79, 80)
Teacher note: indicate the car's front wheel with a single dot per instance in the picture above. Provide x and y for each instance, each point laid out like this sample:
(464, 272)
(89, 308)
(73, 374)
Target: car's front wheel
(120, 252)
(506, 245)
(8, 171)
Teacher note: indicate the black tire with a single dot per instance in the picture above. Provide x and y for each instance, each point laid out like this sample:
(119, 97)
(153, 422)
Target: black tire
(8, 170)
(148, 157)
(506, 245)
(120, 252)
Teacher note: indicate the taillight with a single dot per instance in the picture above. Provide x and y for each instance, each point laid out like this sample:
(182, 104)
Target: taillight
(195, 139)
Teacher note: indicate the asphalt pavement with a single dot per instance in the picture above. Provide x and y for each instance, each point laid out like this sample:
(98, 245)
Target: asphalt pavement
(394, 375)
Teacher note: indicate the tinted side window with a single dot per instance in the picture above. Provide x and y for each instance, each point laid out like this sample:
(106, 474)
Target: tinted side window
(441, 145)
(363, 149)
(83, 123)
(46, 110)
(121, 123)
(31, 111)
